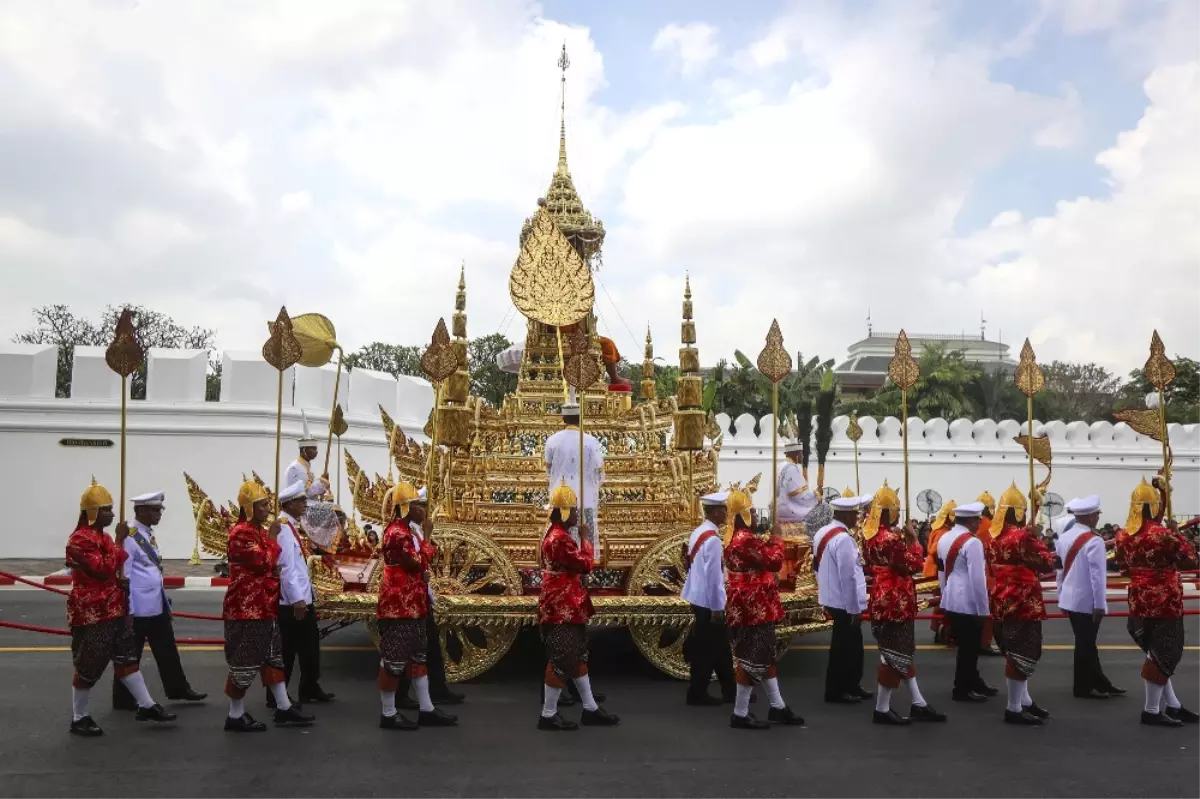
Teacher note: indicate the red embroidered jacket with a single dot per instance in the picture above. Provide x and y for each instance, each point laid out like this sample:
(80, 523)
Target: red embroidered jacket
(751, 595)
(1017, 558)
(1153, 558)
(253, 591)
(95, 600)
(402, 592)
(563, 599)
(893, 593)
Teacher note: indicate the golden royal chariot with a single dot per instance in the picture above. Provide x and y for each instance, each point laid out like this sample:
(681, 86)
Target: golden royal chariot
(489, 486)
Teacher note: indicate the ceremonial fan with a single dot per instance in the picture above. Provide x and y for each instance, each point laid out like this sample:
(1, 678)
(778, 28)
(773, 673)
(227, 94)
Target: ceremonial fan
(829, 493)
(929, 502)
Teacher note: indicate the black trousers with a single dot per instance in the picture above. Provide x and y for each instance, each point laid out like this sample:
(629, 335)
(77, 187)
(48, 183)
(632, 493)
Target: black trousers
(844, 672)
(161, 635)
(301, 641)
(708, 651)
(1088, 672)
(968, 635)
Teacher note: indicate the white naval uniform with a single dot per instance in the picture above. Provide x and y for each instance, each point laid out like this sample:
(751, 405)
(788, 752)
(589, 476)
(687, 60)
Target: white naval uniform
(705, 583)
(301, 472)
(1084, 589)
(796, 501)
(146, 597)
(965, 589)
(295, 585)
(840, 579)
(562, 465)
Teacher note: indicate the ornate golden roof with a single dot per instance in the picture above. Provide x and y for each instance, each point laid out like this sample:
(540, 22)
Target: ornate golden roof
(585, 233)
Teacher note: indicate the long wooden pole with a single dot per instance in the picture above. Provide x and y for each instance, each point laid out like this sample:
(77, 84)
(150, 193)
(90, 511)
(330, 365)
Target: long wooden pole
(1032, 484)
(333, 409)
(431, 467)
(774, 452)
(124, 393)
(857, 484)
(904, 440)
(1166, 449)
(278, 435)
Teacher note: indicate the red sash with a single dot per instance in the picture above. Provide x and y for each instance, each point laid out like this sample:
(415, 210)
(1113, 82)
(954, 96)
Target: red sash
(821, 548)
(952, 555)
(299, 541)
(1074, 550)
(707, 534)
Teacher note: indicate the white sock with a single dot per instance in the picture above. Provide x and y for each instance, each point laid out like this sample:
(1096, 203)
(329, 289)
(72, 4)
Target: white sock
(237, 708)
(79, 702)
(1169, 696)
(584, 684)
(1026, 699)
(137, 686)
(421, 689)
(883, 698)
(917, 699)
(1015, 694)
(773, 694)
(1154, 693)
(279, 691)
(387, 700)
(550, 696)
(741, 703)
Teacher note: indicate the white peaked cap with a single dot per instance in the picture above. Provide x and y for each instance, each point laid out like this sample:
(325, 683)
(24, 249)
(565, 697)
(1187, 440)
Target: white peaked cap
(972, 510)
(849, 503)
(717, 498)
(1082, 506)
(306, 440)
(294, 491)
(152, 500)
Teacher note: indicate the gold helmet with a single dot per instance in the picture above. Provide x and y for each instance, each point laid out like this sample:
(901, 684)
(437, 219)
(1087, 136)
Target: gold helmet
(988, 501)
(739, 504)
(1013, 499)
(562, 498)
(94, 498)
(1145, 494)
(251, 492)
(400, 496)
(945, 515)
(885, 499)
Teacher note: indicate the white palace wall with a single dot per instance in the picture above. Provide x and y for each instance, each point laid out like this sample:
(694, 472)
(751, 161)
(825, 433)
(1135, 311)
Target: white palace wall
(175, 430)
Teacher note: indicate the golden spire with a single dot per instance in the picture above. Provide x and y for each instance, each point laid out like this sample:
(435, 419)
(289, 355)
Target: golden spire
(690, 419)
(648, 387)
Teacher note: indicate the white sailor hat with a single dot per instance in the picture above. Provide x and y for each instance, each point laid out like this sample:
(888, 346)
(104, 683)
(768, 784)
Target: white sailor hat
(152, 500)
(849, 503)
(570, 409)
(971, 510)
(716, 498)
(1082, 506)
(294, 491)
(793, 446)
(306, 440)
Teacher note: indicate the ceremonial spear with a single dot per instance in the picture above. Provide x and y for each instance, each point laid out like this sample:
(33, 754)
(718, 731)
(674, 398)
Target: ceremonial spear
(904, 371)
(854, 432)
(124, 355)
(1030, 380)
(438, 362)
(775, 364)
(283, 351)
(1152, 422)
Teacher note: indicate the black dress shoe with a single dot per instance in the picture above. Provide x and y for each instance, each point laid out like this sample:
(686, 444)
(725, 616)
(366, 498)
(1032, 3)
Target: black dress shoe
(1035, 710)
(925, 713)
(292, 717)
(556, 723)
(396, 722)
(784, 715)
(844, 699)
(969, 696)
(86, 727)
(1092, 694)
(891, 717)
(244, 724)
(990, 652)
(599, 718)
(704, 700)
(436, 718)
(1024, 718)
(1159, 720)
(155, 712)
(1183, 714)
(188, 696)
(862, 693)
(447, 697)
(747, 722)
(316, 695)
(1114, 690)
(985, 689)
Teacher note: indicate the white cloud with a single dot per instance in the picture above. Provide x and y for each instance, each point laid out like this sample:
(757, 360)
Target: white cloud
(693, 45)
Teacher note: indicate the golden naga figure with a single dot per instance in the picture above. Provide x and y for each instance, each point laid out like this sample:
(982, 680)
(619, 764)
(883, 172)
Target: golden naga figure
(487, 479)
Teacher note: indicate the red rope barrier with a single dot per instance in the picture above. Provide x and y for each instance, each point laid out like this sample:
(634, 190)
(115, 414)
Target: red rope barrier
(44, 587)
(31, 628)
(200, 616)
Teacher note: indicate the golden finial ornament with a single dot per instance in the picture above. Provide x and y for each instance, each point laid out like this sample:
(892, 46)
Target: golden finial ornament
(439, 360)
(1159, 369)
(775, 363)
(1030, 379)
(854, 432)
(550, 283)
(338, 423)
(124, 355)
(904, 371)
(649, 389)
(581, 371)
(690, 420)
(282, 350)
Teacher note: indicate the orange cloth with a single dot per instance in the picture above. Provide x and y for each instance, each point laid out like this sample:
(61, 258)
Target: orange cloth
(931, 568)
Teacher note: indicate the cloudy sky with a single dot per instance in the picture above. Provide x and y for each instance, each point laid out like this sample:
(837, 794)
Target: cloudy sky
(1036, 162)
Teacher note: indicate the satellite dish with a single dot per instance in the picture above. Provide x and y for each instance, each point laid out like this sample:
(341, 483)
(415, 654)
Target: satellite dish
(1053, 505)
(929, 501)
(830, 493)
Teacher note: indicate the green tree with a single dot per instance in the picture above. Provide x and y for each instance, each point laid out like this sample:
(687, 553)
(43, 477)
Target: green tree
(741, 388)
(1182, 395)
(395, 359)
(1077, 391)
(488, 381)
(666, 380)
(994, 395)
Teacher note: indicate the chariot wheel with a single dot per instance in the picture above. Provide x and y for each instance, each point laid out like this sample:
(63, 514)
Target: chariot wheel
(469, 562)
(661, 571)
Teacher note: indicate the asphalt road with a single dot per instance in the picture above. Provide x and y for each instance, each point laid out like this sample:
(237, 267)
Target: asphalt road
(662, 748)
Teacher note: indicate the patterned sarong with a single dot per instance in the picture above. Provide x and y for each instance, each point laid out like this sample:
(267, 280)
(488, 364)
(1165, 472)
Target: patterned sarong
(252, 646)
(566, 651)
(93, 646)
(1162, 641)
(897, 645)
(403, 647)
(753, 652)
(1021, 643)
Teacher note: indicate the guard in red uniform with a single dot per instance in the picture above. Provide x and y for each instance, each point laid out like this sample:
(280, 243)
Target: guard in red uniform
(251, 614)
(402, 611)
(98, 613)
(1154, 554)
(894, 556)
(752, 609)
(1018, 557)
(564, 608)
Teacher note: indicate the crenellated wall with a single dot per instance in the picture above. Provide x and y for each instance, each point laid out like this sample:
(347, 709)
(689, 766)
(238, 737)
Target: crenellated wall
(175, 430)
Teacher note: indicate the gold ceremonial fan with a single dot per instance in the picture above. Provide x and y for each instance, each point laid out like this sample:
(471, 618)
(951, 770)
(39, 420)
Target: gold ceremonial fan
(318, 339)
(550, 283)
